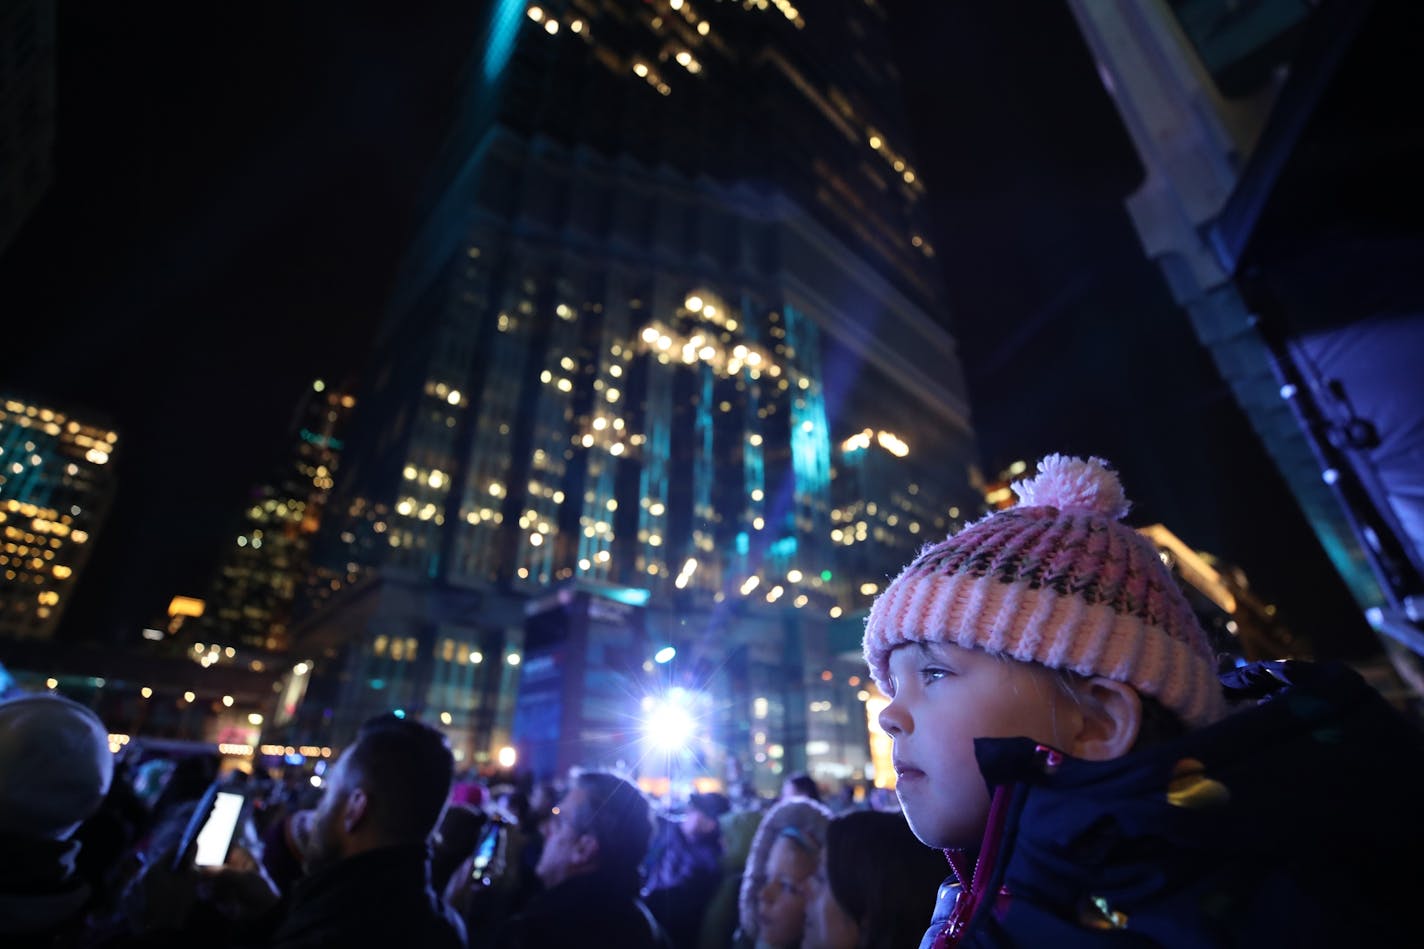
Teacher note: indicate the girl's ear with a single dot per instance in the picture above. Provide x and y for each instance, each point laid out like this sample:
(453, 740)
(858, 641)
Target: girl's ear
(1111, 719)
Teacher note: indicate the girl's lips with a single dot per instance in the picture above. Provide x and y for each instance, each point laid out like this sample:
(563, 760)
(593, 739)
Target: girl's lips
(906, 775)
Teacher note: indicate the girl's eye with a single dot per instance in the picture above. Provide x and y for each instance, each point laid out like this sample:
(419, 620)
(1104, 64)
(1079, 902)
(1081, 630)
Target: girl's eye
(931, 673)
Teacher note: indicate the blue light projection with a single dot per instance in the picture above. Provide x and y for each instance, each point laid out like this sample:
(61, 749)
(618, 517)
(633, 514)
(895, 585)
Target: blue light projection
(503, 30)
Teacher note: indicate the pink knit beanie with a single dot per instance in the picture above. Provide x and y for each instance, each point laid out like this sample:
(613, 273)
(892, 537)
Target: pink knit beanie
(1060, 581)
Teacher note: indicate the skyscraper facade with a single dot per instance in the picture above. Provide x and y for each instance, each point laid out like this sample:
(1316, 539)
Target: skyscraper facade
(673, 337)
(268, 563)
(56, 487)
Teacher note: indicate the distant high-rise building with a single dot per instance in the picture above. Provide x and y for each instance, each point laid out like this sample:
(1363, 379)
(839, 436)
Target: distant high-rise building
(888, 506)
(26, 110)
(268, 563)
(679, 259)
(56, 486)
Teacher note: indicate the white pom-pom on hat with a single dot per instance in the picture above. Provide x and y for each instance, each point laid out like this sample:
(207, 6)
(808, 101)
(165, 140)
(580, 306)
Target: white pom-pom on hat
(1066, 482)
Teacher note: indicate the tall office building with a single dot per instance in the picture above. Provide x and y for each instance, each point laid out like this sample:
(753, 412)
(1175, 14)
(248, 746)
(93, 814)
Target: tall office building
(56, 486)
(268, 563)
(677, 273)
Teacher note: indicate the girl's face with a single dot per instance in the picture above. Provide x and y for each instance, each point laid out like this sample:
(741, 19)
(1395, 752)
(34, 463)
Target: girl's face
(781, 912)
(944, 697)
(828, 925)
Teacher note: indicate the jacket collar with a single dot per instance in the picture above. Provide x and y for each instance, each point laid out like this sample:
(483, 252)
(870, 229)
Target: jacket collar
(1308, 746)
(39, 887)
(399, 868)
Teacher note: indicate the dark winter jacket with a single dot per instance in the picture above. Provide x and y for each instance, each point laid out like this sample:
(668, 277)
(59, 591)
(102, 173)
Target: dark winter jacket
(683, 876)
(42, 898)
(585, 910)
(1277, 826)
(380, 898)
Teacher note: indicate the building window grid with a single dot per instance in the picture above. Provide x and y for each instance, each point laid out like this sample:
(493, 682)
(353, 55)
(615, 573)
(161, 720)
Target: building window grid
(47, 508)
(615, 348)
(490, 459)
(653, 484)
(550, 444)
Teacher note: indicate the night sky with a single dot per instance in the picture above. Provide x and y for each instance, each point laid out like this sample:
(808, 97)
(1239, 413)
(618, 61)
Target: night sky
(234, 187)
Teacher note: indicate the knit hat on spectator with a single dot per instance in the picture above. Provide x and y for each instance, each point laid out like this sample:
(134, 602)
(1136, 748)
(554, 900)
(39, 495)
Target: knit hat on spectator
(799, 819)
(55, 765)
(1060, 581)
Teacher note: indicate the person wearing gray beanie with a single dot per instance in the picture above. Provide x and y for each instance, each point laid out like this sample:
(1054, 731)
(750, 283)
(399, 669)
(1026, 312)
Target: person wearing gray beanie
(55, 765)
(55, 769)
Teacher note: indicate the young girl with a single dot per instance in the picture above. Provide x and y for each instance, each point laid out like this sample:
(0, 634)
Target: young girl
(1061, 733)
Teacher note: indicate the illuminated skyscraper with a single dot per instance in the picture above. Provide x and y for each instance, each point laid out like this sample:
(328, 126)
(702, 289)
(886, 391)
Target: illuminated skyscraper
(269, 562)
(56, 485)
(677, 261)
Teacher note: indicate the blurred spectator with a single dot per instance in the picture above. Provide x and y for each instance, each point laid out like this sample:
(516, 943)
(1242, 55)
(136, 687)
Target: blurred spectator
(55, 770)
(800, 784)
(283, 847)
(365, 856)
(530, 813)
(494, 882)
(739, 826)
(684, 867)
(469, 791)
(189, 778)
(784, 854)
(745, 797)
(596, 842)
(883, 799)
(455, 840)
(107, 838)
(875, 885)
(159, 908)
(149, 777)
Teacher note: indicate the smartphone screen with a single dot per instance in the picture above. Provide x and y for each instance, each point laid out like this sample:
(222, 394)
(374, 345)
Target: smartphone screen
(489, 840)
(216, 836)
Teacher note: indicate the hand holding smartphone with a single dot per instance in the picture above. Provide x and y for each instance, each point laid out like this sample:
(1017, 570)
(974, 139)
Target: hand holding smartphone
(488, 861)
(210, 831)
(215, 839)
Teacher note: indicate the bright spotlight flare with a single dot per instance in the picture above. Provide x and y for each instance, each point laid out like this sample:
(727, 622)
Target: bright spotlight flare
(670, 725)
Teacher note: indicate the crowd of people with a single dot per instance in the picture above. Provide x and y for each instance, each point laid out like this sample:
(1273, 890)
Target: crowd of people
(1071, 770)
(396, 848)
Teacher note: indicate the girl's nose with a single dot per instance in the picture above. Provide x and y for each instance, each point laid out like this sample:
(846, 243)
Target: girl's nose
(893, 719)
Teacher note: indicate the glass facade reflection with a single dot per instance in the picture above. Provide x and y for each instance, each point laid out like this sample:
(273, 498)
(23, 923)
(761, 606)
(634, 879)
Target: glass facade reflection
(263, 571)
(56, 487)
(630, 356)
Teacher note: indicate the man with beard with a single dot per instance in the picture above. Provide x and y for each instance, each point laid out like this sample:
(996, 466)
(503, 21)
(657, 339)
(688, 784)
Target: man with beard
(367, 857)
